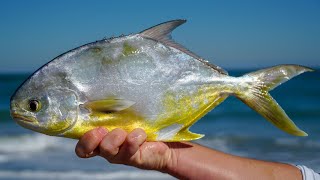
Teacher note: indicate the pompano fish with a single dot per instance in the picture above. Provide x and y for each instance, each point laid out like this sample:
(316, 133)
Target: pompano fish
(144, 80)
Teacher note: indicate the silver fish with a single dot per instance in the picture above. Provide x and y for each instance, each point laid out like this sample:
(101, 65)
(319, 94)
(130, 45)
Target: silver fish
(144, 80)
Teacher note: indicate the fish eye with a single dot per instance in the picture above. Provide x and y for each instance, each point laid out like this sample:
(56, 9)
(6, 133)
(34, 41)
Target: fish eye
(34, 105)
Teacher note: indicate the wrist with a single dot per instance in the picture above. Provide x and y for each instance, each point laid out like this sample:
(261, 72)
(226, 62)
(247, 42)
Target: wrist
(172, 165)
(171, 162)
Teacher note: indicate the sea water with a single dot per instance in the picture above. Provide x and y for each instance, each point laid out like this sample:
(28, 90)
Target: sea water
(232, 127)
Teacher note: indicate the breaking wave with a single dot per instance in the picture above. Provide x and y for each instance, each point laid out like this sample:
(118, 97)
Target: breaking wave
(70, 175)
(31, 143)
(297, 143)
(27, 146)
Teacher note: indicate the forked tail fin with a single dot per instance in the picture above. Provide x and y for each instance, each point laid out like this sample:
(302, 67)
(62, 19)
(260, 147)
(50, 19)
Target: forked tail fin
(257, 97)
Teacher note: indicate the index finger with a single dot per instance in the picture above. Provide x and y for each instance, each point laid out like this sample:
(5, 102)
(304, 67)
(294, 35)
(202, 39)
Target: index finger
(89, 142)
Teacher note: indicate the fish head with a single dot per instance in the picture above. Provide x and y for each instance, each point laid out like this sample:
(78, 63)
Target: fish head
(44, 107)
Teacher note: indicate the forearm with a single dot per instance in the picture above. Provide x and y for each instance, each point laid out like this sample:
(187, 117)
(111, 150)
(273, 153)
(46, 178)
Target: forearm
(198, 162)
(182, 160)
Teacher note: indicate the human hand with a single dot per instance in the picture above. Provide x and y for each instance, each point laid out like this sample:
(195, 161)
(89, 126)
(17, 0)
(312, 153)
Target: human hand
(182, 160)
(118, 147)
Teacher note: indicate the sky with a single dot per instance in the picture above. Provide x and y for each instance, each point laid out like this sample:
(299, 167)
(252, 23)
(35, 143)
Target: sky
(230, 33)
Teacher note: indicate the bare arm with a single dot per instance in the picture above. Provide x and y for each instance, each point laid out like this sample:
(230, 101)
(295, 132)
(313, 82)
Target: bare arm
(199, 162)
(183, 160)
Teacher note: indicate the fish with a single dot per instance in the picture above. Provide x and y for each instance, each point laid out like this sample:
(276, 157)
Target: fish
(144, 80)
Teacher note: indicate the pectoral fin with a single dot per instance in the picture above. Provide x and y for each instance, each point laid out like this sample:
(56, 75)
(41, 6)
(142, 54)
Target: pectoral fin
(109, 105)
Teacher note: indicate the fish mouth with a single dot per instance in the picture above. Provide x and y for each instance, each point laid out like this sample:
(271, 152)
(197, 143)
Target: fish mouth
(19, 117)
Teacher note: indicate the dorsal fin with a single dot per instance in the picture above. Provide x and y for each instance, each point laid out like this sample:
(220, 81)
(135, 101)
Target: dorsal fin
(162, 33)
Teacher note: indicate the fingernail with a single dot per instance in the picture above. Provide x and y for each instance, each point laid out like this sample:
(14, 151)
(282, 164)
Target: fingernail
(89, 154)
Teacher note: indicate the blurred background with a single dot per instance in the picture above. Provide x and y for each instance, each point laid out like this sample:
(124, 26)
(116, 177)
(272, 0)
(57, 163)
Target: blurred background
(240, 36)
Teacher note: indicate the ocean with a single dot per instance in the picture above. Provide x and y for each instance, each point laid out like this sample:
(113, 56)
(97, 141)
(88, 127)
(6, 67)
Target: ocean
(231, 127)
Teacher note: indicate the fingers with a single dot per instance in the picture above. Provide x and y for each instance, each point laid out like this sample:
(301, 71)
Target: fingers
(110, 144)
(132, 144)
(116, 146)
(89, 142)
(120, 148)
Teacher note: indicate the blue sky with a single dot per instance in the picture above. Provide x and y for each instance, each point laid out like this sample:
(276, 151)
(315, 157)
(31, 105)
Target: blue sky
(231, 34)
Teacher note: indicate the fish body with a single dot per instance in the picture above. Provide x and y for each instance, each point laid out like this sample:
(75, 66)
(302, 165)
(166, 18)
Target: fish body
(143, 80)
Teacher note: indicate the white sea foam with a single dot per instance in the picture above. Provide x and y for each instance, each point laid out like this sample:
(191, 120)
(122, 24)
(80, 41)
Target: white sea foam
(3, 159)
(25, 147)
(287, 142)
(138, 174)
(30, 143)
(219, 143)
(222, 144)
(298, 143)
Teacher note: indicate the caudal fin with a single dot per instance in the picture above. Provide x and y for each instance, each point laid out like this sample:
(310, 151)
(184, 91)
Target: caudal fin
(257, 97)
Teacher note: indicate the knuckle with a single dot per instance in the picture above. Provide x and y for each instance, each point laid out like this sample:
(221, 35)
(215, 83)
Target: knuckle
(116, 140)
(92, 135)
(88, 133)
(108, 149)
(88, 142)
(117, 136)
(111, 143)
(104, 148)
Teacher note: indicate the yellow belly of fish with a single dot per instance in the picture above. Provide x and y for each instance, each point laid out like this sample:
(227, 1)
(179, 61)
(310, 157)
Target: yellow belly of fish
(184, 111)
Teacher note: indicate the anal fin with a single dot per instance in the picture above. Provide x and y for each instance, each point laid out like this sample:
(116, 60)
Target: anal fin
(186, 135)
(176, 133)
